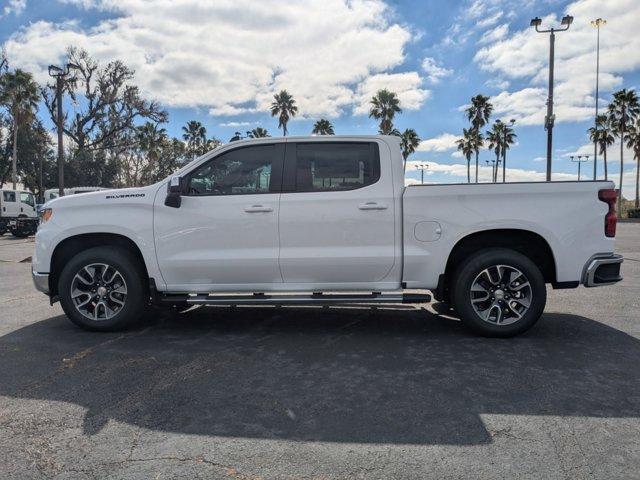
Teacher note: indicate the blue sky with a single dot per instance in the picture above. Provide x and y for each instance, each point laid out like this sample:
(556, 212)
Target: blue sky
(220, 63)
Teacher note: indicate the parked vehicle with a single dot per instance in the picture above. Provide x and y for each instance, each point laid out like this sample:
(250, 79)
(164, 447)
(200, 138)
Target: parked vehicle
(52, 193)
(18, 213)
(255, 220)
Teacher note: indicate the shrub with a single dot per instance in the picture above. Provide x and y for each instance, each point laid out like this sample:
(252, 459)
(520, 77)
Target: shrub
(633, 213)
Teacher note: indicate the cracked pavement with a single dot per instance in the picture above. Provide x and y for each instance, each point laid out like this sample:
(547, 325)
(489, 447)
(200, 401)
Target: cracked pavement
(321, 393)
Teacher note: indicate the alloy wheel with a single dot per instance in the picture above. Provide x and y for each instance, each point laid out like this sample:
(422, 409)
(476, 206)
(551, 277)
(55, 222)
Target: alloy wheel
(501, 294)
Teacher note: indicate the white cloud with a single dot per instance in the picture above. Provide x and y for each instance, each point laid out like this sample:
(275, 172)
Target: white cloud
(14, 6)
(613, 154)
(441, 143)
(236, 124)
(499, 83)
(457, 172)
(435, 72)
(495, 34)
(523, 55)
(406, 85)
(231, 57)
(490, 20)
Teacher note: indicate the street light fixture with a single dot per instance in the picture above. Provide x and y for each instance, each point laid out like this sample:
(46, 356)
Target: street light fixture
(579, 160)
(422, 167)
(60, 74)
(549, 119)
(597, 23)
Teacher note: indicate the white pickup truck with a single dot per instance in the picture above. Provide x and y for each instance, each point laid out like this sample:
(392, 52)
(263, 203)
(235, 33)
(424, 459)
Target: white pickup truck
(323, 220)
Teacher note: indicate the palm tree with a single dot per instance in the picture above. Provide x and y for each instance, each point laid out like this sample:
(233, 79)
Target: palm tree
(409, 141)
(210, 144)
(322, 127)
(601, 134)
(623, 111)
(466, 145)
(195, 134)
(384, 106)
(478, 114)
(633, 142)
(150, 138)
(19, 93)
(494, 137)
(258, 132)
(284, 107)
(236, 136)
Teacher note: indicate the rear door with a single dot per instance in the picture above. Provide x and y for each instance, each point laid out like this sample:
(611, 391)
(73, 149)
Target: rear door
(224, 236)
(337, 225)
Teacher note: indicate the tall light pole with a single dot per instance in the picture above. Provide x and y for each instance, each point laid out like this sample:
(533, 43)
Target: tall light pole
(504, 147)
(579, 160)
(549, 120)
(597, 23)
(60, 74)
(494, 166)
(422, 167)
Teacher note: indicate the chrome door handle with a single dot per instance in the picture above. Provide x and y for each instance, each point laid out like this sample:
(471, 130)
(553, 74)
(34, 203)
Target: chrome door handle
(372, 206)
(257, 208)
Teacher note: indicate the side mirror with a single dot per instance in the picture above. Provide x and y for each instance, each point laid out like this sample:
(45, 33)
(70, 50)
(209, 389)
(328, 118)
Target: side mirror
(174, 193)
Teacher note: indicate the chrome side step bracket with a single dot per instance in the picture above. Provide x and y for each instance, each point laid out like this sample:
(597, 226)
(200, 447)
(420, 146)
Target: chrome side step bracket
(311, 299)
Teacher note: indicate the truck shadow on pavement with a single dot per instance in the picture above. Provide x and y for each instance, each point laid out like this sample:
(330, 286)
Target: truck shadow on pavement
(336, 375)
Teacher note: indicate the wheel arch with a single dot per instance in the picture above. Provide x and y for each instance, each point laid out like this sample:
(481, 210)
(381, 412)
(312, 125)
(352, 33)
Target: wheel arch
(71, 246)
(526, 242)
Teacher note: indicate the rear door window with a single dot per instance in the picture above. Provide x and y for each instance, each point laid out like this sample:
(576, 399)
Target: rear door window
(335, 166)
(9, 196)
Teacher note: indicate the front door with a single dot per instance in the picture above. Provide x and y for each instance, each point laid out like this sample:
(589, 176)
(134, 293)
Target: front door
(224, 236)
(28, 204)
(337, 225)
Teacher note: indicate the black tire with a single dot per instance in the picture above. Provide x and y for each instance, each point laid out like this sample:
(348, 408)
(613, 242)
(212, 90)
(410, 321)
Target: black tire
(21, 233)
(465, 277)
(128, 266)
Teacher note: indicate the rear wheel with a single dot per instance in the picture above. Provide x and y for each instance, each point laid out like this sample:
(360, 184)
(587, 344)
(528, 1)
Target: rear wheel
(103, 288)
(499, 293)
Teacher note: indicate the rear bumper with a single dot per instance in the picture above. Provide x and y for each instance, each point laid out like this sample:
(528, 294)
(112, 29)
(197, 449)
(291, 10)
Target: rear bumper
(41, 281)
(602, 270)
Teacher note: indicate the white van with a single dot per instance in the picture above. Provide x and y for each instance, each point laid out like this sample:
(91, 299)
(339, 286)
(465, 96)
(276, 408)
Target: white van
(53, 192)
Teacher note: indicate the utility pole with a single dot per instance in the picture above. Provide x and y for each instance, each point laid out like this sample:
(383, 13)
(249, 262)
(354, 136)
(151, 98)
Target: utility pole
(60, 74)
(549, 120)
(597, 23)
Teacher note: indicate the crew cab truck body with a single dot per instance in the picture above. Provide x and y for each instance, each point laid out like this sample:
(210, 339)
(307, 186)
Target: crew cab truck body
(254, 221)
(18, 213)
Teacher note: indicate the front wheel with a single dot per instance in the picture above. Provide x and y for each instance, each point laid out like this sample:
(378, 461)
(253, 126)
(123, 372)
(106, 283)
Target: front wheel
(103, 289)
(22, 232)
(499, 293)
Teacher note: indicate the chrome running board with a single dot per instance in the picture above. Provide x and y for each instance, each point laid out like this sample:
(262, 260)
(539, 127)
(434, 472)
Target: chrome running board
(310, 299)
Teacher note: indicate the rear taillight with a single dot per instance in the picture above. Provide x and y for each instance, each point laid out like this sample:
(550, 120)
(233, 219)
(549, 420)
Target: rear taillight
(609, 196)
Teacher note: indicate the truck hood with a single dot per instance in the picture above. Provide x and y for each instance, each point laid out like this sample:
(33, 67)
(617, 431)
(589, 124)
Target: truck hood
(121, 196)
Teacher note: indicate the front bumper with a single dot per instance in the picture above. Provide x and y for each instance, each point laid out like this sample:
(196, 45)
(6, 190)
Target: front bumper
(602, 270)
(41, 281)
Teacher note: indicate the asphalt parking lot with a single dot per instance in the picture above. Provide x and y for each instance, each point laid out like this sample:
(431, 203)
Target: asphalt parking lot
(315, 393)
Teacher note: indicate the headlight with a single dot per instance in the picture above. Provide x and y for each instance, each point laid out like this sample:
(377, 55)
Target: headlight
(45, 215)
